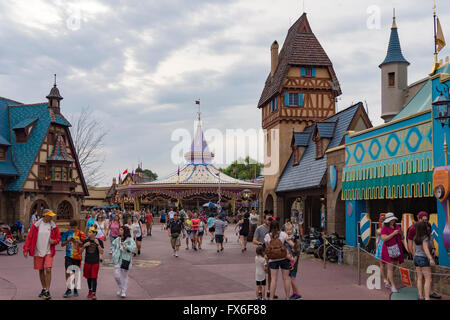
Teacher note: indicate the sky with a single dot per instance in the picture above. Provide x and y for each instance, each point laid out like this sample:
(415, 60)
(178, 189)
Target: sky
(140, 65)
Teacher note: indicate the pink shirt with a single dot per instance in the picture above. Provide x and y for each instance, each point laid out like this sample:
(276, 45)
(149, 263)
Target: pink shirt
(114, 229)
(395, 240)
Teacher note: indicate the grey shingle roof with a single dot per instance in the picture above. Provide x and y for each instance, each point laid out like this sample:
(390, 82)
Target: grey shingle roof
(310, 172)
(302, 138)
(326, 129)
(394, 53)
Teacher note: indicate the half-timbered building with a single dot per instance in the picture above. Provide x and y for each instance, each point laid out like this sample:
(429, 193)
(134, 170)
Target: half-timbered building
(39, 167)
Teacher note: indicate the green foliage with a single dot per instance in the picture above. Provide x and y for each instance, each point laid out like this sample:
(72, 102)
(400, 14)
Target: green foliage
(246, 169)
(150, 173)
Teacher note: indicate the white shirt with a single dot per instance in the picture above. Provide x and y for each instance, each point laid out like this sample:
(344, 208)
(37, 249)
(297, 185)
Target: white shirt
(283, 236)
(260, 274)
(136, 229)
(253, 218)
(43, 239)
(100, 229)
(171, 214)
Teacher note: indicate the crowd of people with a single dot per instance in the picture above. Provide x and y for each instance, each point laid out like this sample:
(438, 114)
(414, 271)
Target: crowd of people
(277, 247)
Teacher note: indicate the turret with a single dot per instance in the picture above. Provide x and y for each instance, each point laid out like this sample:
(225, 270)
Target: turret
(394, 77)
(274, 57)
(54, 99)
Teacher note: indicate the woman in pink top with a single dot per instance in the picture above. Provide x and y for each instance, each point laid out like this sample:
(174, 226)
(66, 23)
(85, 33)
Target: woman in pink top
(114, 229)
(195, 226)
(392, 251)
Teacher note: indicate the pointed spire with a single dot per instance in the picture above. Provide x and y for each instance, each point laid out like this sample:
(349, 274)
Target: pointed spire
(394, 52)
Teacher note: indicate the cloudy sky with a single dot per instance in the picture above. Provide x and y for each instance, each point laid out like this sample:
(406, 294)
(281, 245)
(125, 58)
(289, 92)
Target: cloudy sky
(140, 65)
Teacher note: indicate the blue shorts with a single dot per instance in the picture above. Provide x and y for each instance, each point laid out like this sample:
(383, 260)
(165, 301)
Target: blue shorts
(421, 262)
(200, 233)
(283, 264)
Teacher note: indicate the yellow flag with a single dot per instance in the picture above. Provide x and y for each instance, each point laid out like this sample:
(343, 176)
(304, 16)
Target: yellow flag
(440, 41)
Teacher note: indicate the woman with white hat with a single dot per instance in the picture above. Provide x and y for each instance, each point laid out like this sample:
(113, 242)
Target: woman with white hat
(392, 252)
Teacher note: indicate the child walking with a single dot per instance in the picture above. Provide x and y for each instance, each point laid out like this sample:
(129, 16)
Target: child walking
(260, 274)
(94, 249)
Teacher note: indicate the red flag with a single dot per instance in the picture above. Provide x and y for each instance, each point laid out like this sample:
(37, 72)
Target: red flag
(197, 101)
(406, 280)
(125, 172)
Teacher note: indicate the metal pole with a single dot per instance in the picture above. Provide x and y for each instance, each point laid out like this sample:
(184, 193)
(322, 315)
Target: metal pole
(325, 254)
(359, 265)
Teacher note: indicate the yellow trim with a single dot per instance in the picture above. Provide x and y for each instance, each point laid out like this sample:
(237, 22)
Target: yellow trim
(335, 149)
(352, 134)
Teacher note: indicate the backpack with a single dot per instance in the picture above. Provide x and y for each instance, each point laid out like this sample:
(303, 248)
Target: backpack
(276, 249)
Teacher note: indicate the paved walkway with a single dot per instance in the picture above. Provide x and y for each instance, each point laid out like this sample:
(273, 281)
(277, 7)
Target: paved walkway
(195, 275)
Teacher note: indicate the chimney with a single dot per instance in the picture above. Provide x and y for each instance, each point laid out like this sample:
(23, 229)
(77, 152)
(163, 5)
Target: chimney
(274, 57)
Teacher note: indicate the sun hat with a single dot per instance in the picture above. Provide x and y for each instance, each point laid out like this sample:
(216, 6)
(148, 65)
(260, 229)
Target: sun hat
(389, 217)
(48, 212)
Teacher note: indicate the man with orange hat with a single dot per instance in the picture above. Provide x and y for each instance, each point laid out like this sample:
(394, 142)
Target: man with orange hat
(40, 244)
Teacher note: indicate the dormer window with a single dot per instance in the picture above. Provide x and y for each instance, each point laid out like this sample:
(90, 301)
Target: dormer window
(24, 129)
(3, 150)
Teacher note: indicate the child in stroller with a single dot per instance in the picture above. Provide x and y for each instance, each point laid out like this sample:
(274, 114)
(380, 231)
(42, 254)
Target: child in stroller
(7, 242)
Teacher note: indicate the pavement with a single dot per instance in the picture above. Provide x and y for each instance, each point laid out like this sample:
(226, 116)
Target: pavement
(196, 275)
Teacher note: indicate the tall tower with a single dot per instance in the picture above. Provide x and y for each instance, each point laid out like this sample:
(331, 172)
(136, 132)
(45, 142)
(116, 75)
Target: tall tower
(301, 88)
(54, 99)
(394, 77)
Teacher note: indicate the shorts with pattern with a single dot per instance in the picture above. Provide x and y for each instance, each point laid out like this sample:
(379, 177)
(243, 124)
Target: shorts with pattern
(175, 242)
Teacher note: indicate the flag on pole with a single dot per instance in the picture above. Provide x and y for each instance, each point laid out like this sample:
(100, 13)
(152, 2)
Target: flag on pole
(178, 170)
(125, 172)
(440, 40)
(197, 101)
(120, 177)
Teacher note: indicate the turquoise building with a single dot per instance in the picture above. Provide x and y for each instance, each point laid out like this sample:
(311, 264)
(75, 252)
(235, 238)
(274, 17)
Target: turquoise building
(389, 168)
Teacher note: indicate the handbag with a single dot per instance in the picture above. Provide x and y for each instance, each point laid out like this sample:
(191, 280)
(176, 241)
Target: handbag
(394, 251)
(125, 265)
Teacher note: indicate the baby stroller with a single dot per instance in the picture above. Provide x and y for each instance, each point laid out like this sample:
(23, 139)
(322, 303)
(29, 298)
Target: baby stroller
(7, 242)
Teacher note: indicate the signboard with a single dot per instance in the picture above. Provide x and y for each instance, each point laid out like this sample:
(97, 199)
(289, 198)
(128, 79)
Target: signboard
(406, 279)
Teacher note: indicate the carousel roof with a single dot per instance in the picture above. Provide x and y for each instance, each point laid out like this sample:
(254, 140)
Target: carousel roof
(199, 171)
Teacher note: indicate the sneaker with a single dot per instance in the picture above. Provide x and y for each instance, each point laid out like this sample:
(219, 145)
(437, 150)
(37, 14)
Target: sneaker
(187, 248)
(119, 293)
(134, 254)
(387, 285)
(123, 295)
(139, 252)
(212, 240)
(47, 295)
(176, 255)
(67, 293)
(297, 297)
(75, 292)
(42, 293)
(195, 248)
(394, 290)
(434, 295)
(93, 296)
(259, 299)
(89, 294)
(218, 251)
(199, 248)
(221, 249)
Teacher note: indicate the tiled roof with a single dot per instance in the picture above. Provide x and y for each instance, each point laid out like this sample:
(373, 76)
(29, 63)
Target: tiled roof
(4, 141)
(300, 47)
(59, 119)
(394, 53)
(24, 154)
(25, 123)
(310, 172)
(59, 151)
(6, 168)
(326, 129)
(302, 138)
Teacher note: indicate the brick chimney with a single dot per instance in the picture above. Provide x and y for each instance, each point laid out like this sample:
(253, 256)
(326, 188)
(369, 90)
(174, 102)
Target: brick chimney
(274, 58)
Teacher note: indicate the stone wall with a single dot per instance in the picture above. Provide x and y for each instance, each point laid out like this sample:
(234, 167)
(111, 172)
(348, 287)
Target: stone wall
(441, 284)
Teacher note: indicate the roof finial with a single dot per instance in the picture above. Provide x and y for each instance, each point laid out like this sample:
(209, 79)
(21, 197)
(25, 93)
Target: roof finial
(394, 25)
(55, 81)
(198, 102)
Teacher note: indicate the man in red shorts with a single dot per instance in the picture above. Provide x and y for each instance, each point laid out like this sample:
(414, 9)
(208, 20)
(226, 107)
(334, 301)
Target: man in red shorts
(40, 244)
(149, 222)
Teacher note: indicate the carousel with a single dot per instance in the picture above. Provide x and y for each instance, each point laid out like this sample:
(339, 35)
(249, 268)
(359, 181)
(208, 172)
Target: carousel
(197, 182)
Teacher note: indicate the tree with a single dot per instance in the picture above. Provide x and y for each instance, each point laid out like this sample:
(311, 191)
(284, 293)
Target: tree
(88, 137)
(246, 169)
(150, 174)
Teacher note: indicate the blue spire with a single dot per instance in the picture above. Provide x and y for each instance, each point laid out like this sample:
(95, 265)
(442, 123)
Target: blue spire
(394, 53)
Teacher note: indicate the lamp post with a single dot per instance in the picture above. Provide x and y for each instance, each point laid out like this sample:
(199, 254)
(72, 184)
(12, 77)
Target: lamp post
(246, 194)
(442, 106)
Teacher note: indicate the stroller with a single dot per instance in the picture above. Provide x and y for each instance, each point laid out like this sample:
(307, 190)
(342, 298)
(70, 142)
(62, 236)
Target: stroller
(7, 242)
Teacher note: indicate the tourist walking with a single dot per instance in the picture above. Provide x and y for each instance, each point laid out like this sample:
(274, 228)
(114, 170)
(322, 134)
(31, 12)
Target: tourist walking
(295, 253)
(211, 226)
(379, 246)
(188, 230)
(391, 253)
(422, 216)
(219, 226)
(72, 239)
(122, 248)
(195, 226)
(175, 231)
(260, 273)
(149, 222)
(253, 225)
(276, 252)
(243, 233)
(201, 232)
(258, 239)
(90, 222)
(162, 220)
(40, 243)
(114, 229)
(94, 249)
(423, 259)
(102, 230)
(136, 231)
